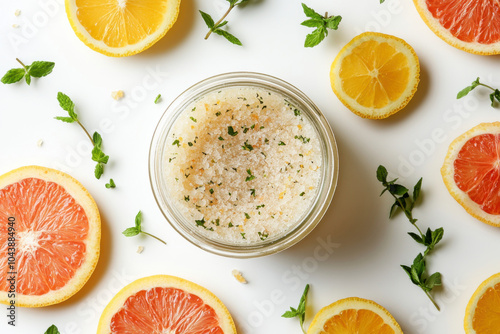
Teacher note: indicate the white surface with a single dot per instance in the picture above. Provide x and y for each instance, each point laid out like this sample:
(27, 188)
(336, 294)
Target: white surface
(369, 248)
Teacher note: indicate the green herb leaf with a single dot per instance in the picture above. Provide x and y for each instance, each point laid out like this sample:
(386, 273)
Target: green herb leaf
(316, 37)
(208, 19)
(67, 104)
(158, 98)
(231, 38)
(98, 170)
(13, 75)
(313, 23)
(65, 119)
(137, 229)
(215, 27)
(382, 174)
(111, 184)
(247, 146)
(311, 12)
(131, 232)
(321, 23)
(468, 89)
(231, 131)
(138, 221)
(52, 330)
(40, 68)
(300, 311)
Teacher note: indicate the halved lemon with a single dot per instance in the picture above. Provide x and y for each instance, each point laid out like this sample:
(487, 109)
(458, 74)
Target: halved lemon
(121, 28)
(375, 75)
(165, 304)
(354, 316)
(482, 315)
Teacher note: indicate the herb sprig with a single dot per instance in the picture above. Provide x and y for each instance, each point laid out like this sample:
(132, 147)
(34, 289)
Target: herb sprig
(321, 23)
(97, 154)
(215, 27)
(406, 203)
(493, 96)
(52, 330)
(300, 311)
(137, 229)
(37, 69)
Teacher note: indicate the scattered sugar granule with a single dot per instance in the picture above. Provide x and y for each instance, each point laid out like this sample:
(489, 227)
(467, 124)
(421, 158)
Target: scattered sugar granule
(15, 26)
(239, 277)
(117, 94)
(39, 143)
(140, 249)
(17, 12)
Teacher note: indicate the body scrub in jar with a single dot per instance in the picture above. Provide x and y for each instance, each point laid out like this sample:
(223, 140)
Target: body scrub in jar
(242, 166)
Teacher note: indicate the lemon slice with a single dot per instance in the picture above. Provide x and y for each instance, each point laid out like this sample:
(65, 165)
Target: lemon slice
(375, 75)
(481, 315)
(121, 28)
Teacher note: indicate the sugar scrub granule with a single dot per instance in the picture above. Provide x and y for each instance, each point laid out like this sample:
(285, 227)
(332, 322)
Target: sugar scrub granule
(140, 249)
(243, 165)
(239, 277)
(17, 12)
(39, 143)
(117, 94)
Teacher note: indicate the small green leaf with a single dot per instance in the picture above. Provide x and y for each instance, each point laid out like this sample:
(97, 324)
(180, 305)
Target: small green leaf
(97, 139)
(382, 174)
(468, 89)
(208, 19)
(394, 209)
(65, 119)
(417, 190)
(313, 23)
(138, 221)
(315, 37)
(99, 156)
(13, 75)
(111, 184)
(99, 170)
(68, 105)
(130, 232)
(231, 131)
(433, 280)
(52, 330)
(158, 98)
(437, 235)
(231, 38)
(398, 190)
(333, 22)
(40, 68)
(416, 237)
(382, 1)
(27, 77)
(311, 12)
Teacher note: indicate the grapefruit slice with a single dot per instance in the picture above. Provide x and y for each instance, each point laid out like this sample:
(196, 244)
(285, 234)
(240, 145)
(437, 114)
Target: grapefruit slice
(165, 304)
(354, 316)
(375, 75)
(121, 28)
(481, 314)
(57, 231)
(471, 172)
(469, 25)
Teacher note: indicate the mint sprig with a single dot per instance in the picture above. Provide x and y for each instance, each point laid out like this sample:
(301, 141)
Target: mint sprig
(37, 69)
(406, 203)
(300, 311)
(52, 330)
(111, 184)
(137, 229)
(97, 154)
(493, 96)
(321, 23)
(215, 27)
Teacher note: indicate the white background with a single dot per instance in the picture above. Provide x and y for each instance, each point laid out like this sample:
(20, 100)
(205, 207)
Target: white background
(369, 246)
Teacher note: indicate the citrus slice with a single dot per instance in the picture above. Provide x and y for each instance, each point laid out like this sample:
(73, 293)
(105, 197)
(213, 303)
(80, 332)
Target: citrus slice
(469, 25)
(375, 75)
(165, 304)
(57, 231)
(471, 172)
(121, 28)
(482, 314)
(354, 316)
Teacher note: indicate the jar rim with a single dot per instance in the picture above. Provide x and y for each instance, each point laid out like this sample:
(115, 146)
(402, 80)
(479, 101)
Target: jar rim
(328, 180)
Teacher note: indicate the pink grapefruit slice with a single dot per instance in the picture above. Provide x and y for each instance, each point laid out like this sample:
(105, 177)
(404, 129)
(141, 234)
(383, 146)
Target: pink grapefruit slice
(469, 25)
(471, 172)
(165, 304)
(51, 229)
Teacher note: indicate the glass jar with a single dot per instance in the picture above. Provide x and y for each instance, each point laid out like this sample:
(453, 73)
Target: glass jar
(324, 194)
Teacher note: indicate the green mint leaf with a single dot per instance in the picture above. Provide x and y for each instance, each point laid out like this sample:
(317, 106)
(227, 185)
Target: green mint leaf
(313, 23)
(158, 98)
(394, 209)
(13, 75)
(138, 221)
(382, 1)
(97, 139)
(419, 266)
(52, 330)
(428, 237)
(333, 22)
(65, 119)
(130, 232)
(301, 309)
(417, 190)
(290, 314)
(316, 37)
(99, 170)
(408, 271)
(398, 189)
(437, 235)
(382, 174)
(111, 184)
(433, 280)
(232, 2)
(231, 131)
(208, 19)
(68, 105)
(311, 12)
(416, 237)
(40, 68)
(468, 89)
(221, 25)
(27, 77)
(231, 38)
(99, 156)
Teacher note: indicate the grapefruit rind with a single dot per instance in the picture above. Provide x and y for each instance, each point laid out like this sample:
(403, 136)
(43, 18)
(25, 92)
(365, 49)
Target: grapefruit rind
(447, 172)
(85, 200)
(447, 36)
(352, 303)
(476, 296)
(395, 106)
(169, 19)
(226, 322)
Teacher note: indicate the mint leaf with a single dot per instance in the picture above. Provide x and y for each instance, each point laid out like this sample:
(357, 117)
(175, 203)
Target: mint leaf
(231, 38)
(316, 37)
(27, 77)
(468, 89)
(52, 330)
(68, 105)
(65, 119)
(99, 170)
(313, 23)
(97, 139)
(300, 311)
(382, 174)
(40, 68)
(208, 19)
(231, 131)
(13, 75)
(111, 184)
(333, 22)
(130, 232)
(311, 12)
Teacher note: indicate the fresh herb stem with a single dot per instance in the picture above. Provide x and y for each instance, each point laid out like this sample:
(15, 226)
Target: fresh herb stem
(484, 85)
(22, 64)
(432, 300)
(151, 235)
(137, 229)
(493, 96)
(221, 19)
(86, 132)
